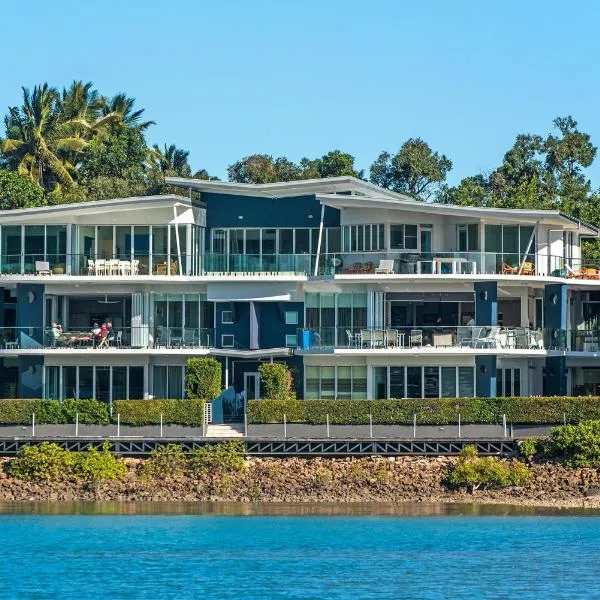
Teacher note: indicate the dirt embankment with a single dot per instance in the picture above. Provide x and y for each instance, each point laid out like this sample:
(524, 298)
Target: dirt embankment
(404, 479)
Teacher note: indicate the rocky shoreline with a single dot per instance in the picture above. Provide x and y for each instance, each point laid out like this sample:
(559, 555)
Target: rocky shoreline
(346, 480)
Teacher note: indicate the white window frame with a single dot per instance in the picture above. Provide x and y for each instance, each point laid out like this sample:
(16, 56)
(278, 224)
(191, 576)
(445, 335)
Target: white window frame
(227, 335)
(223, 321)
(291, 340)
(294, 321)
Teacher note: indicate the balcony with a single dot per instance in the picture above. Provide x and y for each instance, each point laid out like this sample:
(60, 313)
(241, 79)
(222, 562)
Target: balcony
(455, 263)
(319, 340)
(294, 264)
(124, 338)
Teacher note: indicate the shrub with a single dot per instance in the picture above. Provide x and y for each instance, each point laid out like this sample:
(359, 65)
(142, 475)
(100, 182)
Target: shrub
(576, 445)
(45, 462)
(202, 378)
(91, 412)
(17, 412)
(98, 465)
(429, 411)
(530, 447)
(219, 459)
(474, 472)
(147, 412)
(275, 381)
(165, 462)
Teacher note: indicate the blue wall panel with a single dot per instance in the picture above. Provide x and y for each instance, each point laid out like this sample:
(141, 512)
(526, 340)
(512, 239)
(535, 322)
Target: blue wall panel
(555, 306)
(555, 378)
(272, 327)
(31, 370)
(224, 210)
(485, 376)
(486, 303)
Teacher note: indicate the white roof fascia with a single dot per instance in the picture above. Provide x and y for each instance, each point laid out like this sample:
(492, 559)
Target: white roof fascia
(98, 206)
(286, 188)
(517, 215)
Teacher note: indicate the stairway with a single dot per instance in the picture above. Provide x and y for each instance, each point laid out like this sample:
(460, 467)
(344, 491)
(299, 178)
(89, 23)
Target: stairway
(233, 430)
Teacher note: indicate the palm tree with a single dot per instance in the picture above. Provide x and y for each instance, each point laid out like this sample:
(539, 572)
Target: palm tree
(38, 138)
(123, 106)
(171, 161)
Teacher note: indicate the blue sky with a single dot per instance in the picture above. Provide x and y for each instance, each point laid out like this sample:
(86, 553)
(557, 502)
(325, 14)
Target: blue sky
(230, 78)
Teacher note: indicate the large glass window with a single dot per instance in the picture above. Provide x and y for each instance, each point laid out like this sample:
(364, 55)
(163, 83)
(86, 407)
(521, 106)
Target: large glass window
(448, 382)
(363, 238)
(313, 382)
(403, 237)
(431, 378)
(105, 241)
(380, 383)
(286, 241)
(136, 383)
(69, 382)
(466, 383)
(86, 382)
(119, 383)
(103, 387)
(413, 382)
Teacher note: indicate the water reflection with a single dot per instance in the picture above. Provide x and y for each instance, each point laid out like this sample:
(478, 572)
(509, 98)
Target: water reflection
(408, 509)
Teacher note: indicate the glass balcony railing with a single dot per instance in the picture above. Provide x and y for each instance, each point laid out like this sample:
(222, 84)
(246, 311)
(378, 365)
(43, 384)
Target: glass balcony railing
(447, 263)
(37, 338)
(475, 337)
(254, 263)
(345, 263)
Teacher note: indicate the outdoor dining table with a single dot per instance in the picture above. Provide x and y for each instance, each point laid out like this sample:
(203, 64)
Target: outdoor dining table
(437, 262)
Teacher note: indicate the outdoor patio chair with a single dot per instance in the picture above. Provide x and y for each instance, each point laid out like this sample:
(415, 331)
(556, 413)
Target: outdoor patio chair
(490, 340)
(100, 265)
(465, 336)
(366, 339)
(393, 339)
(91, 267)
(590, 273)
(508, 270)
(42, 268)
(119, 338)
(125, 267)
(528, 268)
(113, 267)
(415, 338)
(350, 338)
(574, 274)
(135, 267)
(378, 338)
(521, 338)
(385, 266)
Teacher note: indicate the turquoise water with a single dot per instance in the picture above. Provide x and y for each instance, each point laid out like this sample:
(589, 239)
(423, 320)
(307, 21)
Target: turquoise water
(185, 556)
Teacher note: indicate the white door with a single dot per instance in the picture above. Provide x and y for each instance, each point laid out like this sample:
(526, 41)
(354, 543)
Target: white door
(252, 386)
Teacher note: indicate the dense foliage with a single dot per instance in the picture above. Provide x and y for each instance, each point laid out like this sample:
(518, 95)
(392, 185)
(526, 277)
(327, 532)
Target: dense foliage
(575, 445)
(148, 412)
(203, 378)
(275, 381)
(50, 462)
(433, 411)
(474, 472)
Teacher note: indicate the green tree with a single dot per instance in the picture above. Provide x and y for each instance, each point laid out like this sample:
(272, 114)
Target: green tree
(38, 137)
(122, 105)
(263, 168)
(415, 170)
(18, 191)
(333, 164)
(170, 161)
(567, 154)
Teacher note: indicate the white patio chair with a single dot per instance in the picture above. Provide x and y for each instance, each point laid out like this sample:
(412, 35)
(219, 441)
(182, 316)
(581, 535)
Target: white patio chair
(393, 339)
(113, 267)
(42, 268)
(490, 340)
(415, 338)
(379, 338)
(366, 339)
(125, 267)
(100, 266)
(350, 338)
(91, 267)
(385, 266)
(135, 267)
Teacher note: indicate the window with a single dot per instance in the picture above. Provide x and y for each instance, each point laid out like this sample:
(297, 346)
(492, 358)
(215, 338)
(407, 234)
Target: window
(291, 341)
(291, 317)
(227, 317)
(363, 238)
(168, 382)
(508, 382)
(403, 237)
(227, 341)
(340, 382)
(422, 382)
(468, 237)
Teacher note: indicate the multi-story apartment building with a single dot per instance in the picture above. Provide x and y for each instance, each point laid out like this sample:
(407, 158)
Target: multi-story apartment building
(364, 292)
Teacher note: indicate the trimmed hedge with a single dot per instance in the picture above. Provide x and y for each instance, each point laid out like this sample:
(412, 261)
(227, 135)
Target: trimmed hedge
(20, 412)
(94, 412)
(147, 412)
(434, 411)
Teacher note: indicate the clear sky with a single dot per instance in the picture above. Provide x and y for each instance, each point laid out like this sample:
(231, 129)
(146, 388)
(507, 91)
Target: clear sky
(229, 78)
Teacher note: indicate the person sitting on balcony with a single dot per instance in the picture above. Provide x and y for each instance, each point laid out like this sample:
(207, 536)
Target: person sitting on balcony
(103, 336)
(111, 331)
(56, 334)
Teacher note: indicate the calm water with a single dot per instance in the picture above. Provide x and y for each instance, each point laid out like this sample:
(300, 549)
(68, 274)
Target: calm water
(248, 552)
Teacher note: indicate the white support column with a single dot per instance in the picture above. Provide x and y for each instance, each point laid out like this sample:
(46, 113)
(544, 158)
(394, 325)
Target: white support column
(369, 382)
(148, 383)
(226, 372)
(319, 243)
(177, 241)
(69, 257)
